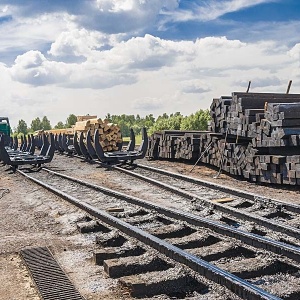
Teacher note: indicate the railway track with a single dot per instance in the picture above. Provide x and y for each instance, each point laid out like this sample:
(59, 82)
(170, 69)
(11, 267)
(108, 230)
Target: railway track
(238, 206)
(246, 264)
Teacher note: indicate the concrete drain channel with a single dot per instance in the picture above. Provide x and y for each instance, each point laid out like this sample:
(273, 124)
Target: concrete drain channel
(51, 281)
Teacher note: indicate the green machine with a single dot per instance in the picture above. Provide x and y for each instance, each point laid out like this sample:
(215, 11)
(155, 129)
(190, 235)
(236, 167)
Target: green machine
(5, 129)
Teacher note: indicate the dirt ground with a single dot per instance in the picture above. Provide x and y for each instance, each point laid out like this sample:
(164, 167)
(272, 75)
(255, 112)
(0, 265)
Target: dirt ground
(33, 217)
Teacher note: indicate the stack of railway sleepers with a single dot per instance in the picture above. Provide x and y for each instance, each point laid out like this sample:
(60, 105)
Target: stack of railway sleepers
(252, 135)
(219, 111)
(161, 144)
(165, 144)
(153, 142)
(189, 145)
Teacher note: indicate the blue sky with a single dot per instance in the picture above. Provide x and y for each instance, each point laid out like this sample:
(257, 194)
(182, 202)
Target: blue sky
(141, 56)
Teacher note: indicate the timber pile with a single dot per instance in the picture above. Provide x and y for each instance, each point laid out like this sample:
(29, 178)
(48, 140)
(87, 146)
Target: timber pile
(174, 144)
(161, 144)
(67, 131)
(253, 135)
(109, 133)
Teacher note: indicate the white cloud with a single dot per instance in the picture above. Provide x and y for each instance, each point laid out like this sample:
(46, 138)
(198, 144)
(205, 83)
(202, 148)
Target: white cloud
(33, 68)
(3, 10)
(295, 52)
(213, 9)
(209, 10)
(23, 34)
(148, 104)
(183, 61)
(77, 42)
(261, 82)
(69, 59)
(195, 86)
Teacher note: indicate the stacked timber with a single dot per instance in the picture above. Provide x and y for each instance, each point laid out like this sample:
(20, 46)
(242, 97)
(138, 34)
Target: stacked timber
(161, 143)
(67, 131)
(282, 125)
(188, 146)
(219, 110)
(109, 134)
(84, 118)
(252, 135)
(172, 144)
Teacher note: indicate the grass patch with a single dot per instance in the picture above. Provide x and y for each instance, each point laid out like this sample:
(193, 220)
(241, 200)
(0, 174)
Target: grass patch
(138, 139)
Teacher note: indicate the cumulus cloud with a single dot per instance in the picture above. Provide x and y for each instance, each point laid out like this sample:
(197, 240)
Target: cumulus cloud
(77, 42)
(33, 68)
(183, 61)
(259, 82)
(295, 52)
(148, 104)
(195, 86)
(109, 16)
(146, 52)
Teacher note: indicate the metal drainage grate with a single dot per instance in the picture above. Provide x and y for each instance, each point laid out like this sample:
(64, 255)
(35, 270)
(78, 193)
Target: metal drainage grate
(50, 279)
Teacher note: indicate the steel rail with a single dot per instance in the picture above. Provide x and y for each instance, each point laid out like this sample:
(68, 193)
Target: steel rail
(240, 287)
(215, 186)
(222, 188)
(251, 239)
(289, 230)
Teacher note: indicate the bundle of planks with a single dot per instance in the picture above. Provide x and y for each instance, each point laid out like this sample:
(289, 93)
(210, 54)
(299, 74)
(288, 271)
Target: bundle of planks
(109, 134)
(67, 131)
(253, 135)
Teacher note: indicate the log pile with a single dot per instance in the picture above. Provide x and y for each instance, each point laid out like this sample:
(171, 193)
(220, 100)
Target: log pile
(67, 131)
(109, 133)
(252, 135)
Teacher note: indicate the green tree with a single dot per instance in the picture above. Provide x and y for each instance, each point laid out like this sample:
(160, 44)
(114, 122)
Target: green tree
(166, 122)
(46, 123)
(197, 121)
(60, 125)
(36, 124)
(71, 120)
(108, 117)
(22, 127)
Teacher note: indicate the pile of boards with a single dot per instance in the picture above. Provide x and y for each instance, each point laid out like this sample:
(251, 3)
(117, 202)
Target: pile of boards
(253, 135)
(109, 134)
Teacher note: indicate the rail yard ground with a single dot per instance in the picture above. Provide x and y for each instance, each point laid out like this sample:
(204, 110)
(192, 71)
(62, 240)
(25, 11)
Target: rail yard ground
(30, 216)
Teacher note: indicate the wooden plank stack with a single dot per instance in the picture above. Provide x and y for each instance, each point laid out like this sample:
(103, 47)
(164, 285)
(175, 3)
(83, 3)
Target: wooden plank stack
(253, 135)
(67, 131)
(109, 133)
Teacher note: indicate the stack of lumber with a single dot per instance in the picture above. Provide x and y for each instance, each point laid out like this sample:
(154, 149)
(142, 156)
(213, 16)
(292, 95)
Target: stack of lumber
(67, 131)
(252, 135)
(109, 133)
(84, 118)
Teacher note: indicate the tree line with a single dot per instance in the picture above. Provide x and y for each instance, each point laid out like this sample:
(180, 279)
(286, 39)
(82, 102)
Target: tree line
(197, 121)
